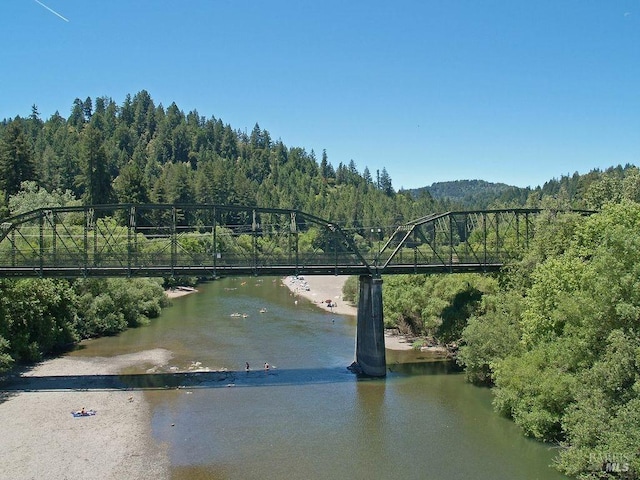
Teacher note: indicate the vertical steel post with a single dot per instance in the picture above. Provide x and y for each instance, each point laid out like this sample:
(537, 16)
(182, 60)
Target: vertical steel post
(497, 237)
(131, 225)
(335, 251)
(41, 243)
(174, 240)
(293, 229)
(450, 242)
(484, 234)
(215, 243)
(54, 235)
(254, 241)
(87, 212)
(95, 243)
(13, 247)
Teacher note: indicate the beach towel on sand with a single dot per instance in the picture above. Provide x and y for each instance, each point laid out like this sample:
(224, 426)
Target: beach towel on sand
(87, 413)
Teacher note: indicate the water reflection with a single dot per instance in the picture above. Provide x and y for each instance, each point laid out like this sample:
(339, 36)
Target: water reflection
(440, 367)
(308, 417)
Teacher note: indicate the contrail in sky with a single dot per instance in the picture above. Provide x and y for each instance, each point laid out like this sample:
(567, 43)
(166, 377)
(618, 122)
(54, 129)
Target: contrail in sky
(51, 10)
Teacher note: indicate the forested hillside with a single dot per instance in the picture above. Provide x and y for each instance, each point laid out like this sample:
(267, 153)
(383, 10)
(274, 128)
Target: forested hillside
(575, 190)
(556, 334)
(473, 193)
(140, 152)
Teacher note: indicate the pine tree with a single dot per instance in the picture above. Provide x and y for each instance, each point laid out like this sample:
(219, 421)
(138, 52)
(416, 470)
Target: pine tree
(385, 183)
(366, 175)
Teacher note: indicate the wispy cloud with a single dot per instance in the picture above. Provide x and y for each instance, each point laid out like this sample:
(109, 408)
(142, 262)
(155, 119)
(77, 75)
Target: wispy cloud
(51, 10)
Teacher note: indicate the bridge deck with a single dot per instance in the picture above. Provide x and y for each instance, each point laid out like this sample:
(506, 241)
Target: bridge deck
(210, 272)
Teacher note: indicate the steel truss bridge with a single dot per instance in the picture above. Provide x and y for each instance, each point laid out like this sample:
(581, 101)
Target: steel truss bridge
(209, 241)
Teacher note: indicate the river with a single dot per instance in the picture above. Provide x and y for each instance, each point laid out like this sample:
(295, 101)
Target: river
(308, 417)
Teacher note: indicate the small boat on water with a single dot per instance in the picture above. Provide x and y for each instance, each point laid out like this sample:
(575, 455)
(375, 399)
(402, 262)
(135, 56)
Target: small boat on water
(263, 310)
(245, 315)
(236, 314)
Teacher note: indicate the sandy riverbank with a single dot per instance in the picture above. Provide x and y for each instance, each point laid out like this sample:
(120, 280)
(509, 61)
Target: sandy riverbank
(320, 288)
(179, 292)
(42, 440)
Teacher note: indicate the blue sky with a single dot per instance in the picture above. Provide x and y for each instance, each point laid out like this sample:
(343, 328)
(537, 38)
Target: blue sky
(505, 91)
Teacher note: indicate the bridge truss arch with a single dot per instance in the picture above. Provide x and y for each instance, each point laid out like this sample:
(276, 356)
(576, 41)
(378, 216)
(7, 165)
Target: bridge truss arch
(221, 240)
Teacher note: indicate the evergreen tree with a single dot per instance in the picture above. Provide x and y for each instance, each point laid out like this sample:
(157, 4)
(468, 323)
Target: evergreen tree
(126, 111)
(229, 145)
(366, 175)
(16, 159)
(87, 109)
(385, 183)
(95, 178)
(35, 115)
(77, 114)
(129, 185)
(324, 165)
(35, 123)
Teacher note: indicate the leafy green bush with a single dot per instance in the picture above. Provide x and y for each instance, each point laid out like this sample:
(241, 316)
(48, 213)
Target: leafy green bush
(39, 317)
(562, 342)
(350, 290)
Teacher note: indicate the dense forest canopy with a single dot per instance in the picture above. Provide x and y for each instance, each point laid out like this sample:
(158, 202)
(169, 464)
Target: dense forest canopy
(557, 333)
(141, 152)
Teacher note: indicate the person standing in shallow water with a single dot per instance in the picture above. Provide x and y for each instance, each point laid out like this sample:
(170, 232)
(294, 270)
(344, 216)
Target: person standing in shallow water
(246, 366)
(266, 366)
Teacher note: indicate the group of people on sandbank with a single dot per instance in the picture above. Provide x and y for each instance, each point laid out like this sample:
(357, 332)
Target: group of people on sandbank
(297, 284)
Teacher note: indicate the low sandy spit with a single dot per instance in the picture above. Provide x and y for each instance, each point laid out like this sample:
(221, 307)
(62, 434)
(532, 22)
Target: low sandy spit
(320, 288)
(41, 439)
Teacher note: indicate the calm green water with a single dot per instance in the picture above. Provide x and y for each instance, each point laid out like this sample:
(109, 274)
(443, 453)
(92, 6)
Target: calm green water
(308, 417)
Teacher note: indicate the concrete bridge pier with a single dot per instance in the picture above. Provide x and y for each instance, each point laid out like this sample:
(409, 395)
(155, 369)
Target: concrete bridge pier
(370, 354)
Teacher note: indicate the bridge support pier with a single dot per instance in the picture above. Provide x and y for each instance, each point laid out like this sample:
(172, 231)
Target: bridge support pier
(370, 354)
